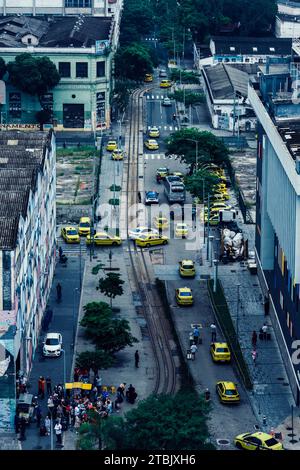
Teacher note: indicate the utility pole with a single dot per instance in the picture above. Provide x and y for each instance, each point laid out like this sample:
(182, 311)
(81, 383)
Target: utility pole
(216, 262)
(203, 199)
(208, 228)
(237, 310)
(233, 127)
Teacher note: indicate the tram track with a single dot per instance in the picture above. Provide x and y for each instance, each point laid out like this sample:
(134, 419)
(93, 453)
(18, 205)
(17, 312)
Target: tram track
(159, 327)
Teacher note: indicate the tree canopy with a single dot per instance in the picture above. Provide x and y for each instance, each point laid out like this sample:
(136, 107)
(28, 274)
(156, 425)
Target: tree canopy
(111, 285)
(109, 334)
(194, 182)
(33, 75)
(210, 148)
(133, 62)
(94, 360)
(162, 422)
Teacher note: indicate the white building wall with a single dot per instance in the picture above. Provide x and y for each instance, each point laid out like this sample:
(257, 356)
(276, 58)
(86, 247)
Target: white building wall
(287, 29)
(288, 8)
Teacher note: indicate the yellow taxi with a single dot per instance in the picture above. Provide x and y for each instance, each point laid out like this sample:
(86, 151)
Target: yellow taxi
(187, 268)
(181, 230)
(165, 84)
(148, 77)
(160, 222)
(150, 240)
(178, 173)
(117, 154)
(103, 238)
(111, 145)
(84, 227)
(154, 132)
(184, 296)
(220, 352)
(161, 173)
(151, 144)
(70, 234)
(217, 206)
(257, 441)
(227, 392)
(214, 218)
(219, 197)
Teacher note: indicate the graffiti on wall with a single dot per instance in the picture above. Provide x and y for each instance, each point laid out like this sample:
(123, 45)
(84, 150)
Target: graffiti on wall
(7, 369)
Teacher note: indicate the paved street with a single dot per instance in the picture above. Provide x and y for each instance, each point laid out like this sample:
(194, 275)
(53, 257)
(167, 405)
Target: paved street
(64, 319)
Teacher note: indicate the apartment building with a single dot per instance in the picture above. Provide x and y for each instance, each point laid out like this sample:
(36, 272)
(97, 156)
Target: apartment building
(274, 99)
(82, 49)
(27, 253)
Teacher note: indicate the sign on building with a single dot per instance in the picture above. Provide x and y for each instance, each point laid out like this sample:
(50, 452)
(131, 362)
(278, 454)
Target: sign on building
(101, 47)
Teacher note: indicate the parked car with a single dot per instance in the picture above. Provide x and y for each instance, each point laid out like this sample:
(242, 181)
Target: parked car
(227, 392)
(257, 441)
(136, 232)
(52, 345)
(184, 296)
(84, 226)
(70, 234)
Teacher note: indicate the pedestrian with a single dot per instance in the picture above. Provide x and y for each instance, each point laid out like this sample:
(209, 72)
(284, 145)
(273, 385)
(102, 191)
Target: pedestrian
(48, 425)
(254, 339)
(77, 424)
(196, 334)
(264, 329)
(136, 358)
(43, 385)
(213, 330)
(49, 386)
(58, 292)
(58, 432)
(194, 349)
(254, 356)
(22, 429)
(17, 423)
(60, 252)
(38, 414)
(99, 384)
(266, 304)
(40, 386)
(131, 394)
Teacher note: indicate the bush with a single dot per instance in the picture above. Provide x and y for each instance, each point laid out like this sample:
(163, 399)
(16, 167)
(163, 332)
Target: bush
(222, 312)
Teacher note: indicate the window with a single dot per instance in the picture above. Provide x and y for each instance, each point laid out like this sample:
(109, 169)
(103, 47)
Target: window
(232, 48)
(247, 60)
(81, 69)
(272, 49)
(64, 69)
(101, 69)
(254, 49)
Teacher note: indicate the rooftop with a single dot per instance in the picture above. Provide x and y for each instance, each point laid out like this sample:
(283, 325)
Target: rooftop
(225, 45)
(290, 134)
(22, 156)
(58, 31)
(224, 79)
(290, 18)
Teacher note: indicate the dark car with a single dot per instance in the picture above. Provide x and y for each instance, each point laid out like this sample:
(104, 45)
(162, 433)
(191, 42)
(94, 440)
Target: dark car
(151, 197)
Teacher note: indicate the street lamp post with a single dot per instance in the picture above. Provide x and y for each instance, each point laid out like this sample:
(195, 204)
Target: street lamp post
(63, 351)
(208, 225)
(50, 408)
(211, 241)
(74, 321)
(216, 262)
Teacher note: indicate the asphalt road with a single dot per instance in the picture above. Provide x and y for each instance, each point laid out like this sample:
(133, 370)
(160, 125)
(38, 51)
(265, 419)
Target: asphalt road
(227, 421)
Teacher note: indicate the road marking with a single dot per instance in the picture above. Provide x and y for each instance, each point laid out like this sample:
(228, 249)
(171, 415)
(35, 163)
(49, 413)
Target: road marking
(157, 97)
(165, 128)
(162, 97)
(153, 97)
(148, 97)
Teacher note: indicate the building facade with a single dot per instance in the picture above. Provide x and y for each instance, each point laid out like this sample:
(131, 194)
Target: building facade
(82, 50)
(226, 89)
(61, 7)
(247, 49)
(27, 253)
(276, 104)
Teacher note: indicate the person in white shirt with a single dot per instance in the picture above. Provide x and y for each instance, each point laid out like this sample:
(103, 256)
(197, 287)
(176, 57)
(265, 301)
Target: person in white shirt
(58, 432)
(194, 349)
(213, 330)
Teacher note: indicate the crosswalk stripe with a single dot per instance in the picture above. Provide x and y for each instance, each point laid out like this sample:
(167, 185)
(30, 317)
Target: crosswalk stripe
(157, 97)
(153, 97)
(165, 128)
(162, 97)
(148, 97)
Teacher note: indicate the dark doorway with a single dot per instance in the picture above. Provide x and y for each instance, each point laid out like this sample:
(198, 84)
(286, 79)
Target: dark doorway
(73, 116)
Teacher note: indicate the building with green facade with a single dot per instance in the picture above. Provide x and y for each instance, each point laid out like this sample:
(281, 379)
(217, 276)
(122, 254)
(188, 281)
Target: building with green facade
(82, 48)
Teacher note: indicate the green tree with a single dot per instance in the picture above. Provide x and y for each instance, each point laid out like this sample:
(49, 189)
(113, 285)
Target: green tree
(33, 75)
(188, 97)
(158, 422)
(210, 148)
(184, 76)
(111, 286)
(121, 94)
(43, 116)
(108, 333)
(133, 62)
(137, 20)
(194, 183)
(94, 360)
(101, 433)
(3, 68)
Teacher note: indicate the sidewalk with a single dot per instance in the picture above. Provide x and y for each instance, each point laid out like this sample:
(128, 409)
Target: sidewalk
(124, 370)
(64, 314)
